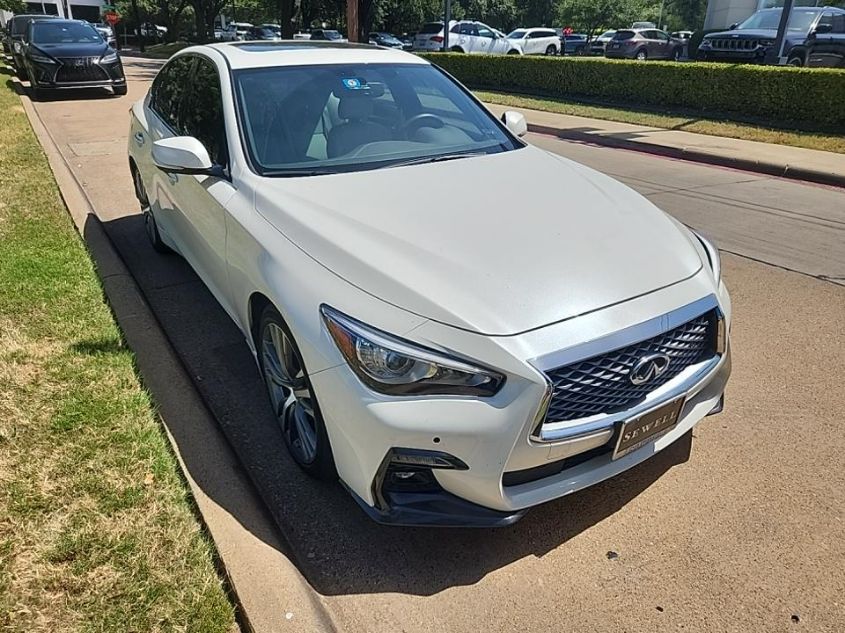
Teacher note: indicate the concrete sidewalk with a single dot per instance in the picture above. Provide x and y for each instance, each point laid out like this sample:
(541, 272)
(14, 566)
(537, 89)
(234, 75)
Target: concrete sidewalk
(776, 160)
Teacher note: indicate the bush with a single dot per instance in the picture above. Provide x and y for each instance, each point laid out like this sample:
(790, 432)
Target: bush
(778, 94)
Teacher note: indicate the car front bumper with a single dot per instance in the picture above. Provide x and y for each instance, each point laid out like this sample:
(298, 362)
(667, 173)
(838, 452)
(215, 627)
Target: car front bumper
(59, 76)
(506, 465)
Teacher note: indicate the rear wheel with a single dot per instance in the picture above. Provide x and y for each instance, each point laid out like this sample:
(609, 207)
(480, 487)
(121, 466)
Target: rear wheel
(292, 397)
(457, 49)
(796, 60)
(641, 55)
(513, 51)
(551, 50)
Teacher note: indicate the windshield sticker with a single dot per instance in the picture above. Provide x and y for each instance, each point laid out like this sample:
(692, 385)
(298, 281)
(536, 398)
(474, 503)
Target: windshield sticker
(355, 84)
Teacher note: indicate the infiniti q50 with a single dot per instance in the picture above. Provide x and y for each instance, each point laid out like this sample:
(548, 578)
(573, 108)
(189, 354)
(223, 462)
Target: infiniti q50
(452, 359)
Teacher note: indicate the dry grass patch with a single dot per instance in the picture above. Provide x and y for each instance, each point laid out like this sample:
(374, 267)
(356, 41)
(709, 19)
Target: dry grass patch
(97, 528)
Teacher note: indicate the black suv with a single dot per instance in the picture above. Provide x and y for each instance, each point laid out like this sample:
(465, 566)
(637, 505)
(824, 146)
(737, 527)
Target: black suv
(14, 42)
(815, 36)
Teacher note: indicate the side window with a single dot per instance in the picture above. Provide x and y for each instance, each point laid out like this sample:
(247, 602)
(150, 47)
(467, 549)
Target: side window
(826, 19)
(456, 29)
(662, 36)
(483, 31)
(169, 88)
(202, 113)
(839, 23)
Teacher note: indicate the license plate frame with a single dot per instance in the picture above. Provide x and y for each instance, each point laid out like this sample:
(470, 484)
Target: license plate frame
(647, 427)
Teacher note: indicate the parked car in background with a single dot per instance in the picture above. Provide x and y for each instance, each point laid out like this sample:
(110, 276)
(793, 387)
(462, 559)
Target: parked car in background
(826, 43)
(152, 31)
(388, 40)
(266, 32)
(643, 25)
(70, 54)
(574, 44)
(327, 35)
(107, 32)
(684, 38)
(228, 34)
(643, 44)
(429, 37)
(17, 32)
(598, 44)
(752, 40)
(407, 40)
(470, 36)
(391, 357)
(536, 41)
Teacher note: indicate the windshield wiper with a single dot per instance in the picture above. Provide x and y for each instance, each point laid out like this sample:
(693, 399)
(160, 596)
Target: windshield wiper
(434, 159)
(292, 173)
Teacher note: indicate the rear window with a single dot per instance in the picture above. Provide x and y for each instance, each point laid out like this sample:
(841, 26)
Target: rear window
(624, 35)
(431, 27)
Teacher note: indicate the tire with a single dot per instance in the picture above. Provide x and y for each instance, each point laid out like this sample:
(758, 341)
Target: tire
(796, 61)
(551, 50)
(579, 51)
(292, 397)
(119, 91)
(456, 49)
(513, 51)
(150, 225)
(641, 55)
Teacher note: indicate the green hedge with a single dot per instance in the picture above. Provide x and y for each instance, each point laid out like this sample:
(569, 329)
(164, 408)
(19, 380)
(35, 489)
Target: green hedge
(815, 96)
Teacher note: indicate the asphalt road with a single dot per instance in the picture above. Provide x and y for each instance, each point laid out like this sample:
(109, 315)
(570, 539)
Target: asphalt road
(739, 529)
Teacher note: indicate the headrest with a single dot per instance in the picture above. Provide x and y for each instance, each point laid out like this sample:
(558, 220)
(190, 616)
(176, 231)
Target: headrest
(355, 106)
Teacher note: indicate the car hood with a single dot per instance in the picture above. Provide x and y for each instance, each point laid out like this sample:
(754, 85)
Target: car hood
(497, 244)
(74, 50)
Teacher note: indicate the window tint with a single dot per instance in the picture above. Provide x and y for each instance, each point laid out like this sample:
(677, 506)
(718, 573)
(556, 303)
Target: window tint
(456, 29)
(431, 28)
(483, 31)
(202, 112)
(839, 23)
(169, 87)
(660, 35)
(826, 19)
(624, 35)
(546, 34)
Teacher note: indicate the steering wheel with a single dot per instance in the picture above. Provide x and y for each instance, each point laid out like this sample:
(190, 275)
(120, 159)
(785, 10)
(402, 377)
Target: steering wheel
(416, 123)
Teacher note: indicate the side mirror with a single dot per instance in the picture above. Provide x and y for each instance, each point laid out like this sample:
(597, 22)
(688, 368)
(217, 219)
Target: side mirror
(515, 122)
(733, 26)
(821, 29)
(181, 155)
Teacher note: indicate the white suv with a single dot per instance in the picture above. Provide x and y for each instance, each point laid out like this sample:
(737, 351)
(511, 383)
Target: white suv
(537, 41)
(466, 36)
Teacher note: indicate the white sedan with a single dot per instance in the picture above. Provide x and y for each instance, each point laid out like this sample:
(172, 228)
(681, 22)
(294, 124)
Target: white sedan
(433, 327)
(536, 41)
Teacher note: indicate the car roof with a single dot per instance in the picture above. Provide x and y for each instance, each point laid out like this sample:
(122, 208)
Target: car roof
(302, 53)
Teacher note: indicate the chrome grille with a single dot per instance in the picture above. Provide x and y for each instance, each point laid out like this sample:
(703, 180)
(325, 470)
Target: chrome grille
(80, 69)
(601, 384)
(734, 44)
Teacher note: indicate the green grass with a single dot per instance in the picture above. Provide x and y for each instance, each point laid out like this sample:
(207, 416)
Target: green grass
(672, 120)
(164, 51)
(97, 526)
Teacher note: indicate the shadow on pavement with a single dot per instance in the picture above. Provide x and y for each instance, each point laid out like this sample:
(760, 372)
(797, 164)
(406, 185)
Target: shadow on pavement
(335, 545)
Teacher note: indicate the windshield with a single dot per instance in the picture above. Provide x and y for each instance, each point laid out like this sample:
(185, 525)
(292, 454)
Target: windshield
(516, 35)
(309, 120)
(800, 20)
(50, 32)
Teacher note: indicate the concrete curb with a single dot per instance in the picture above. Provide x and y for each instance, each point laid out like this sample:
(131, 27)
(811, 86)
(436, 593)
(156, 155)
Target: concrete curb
(691, 154)
(268, 590)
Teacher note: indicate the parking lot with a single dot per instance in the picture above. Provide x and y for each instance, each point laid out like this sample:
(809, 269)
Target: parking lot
(738, 528)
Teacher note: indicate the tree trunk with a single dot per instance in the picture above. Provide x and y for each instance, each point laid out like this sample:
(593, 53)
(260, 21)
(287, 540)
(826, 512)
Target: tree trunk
(285, 14)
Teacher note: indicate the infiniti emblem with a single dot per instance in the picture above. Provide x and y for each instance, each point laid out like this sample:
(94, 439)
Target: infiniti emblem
(648, 368)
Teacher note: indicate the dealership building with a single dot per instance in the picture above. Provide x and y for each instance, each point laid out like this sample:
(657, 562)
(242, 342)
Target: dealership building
(76, 9)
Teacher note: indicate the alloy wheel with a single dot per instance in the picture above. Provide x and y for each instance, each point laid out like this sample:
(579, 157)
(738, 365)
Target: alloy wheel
(290, 393)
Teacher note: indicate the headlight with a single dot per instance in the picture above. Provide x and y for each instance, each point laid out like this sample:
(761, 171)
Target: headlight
(705, 44)
(109, 58)
(766, 42)
(712, 255)
(38, 58)
(393, 366)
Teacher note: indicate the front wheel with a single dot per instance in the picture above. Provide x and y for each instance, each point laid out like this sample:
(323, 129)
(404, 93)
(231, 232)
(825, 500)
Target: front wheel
(641, 55)
(292, 397)
(796, 61)
(513, 51)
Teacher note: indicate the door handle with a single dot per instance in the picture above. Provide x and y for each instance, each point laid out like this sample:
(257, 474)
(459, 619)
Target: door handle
(139, 138)
(173, 178)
